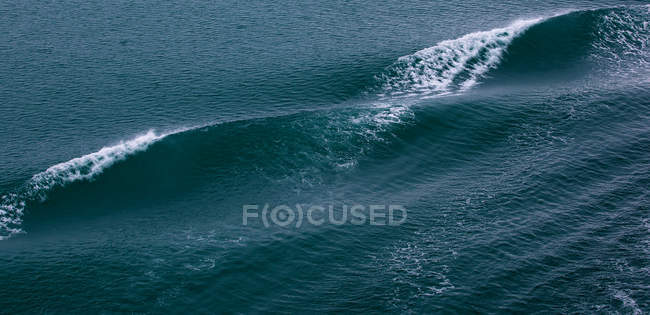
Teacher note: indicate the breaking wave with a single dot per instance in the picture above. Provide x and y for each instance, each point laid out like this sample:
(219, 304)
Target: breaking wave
(599, 42)
(338, 138)
(451, 64)
(86, 167)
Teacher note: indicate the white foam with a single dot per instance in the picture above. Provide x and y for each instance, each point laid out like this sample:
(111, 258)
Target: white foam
(82, 168)
(451, 64)
(624, 34)
(629, 304)
(88, 166)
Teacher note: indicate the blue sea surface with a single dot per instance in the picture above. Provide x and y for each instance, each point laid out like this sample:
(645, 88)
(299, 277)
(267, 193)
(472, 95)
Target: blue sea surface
(514, 138)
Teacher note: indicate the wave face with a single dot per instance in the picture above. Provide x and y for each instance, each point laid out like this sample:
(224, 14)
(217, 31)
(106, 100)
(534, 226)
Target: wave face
(583, 45)
(299, 150)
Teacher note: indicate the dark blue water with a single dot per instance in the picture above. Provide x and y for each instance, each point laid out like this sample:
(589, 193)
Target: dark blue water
(515, 136)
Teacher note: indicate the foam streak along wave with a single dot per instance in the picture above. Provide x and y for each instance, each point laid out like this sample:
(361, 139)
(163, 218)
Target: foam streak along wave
(451, 64)
(82, 168)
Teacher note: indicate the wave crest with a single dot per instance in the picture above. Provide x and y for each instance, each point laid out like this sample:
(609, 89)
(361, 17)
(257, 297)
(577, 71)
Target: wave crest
(451, 64)
(86, 167)
(571, 44)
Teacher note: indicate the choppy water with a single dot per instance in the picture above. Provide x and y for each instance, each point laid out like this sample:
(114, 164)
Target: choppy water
(516, 136)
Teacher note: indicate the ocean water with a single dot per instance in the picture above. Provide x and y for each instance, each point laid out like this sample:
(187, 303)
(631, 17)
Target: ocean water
(515, 135)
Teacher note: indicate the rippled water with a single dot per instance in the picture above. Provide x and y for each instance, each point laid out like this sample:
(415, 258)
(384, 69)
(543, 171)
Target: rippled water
(515, 136)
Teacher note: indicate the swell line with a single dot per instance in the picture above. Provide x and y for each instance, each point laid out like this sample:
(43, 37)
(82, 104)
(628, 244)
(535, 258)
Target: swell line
(87, 167)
